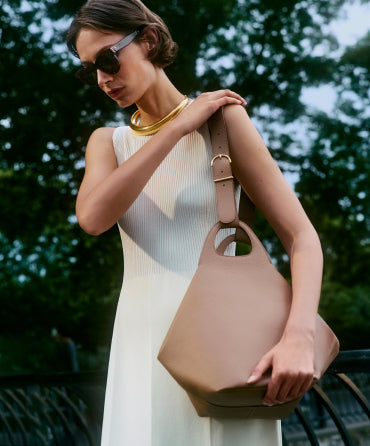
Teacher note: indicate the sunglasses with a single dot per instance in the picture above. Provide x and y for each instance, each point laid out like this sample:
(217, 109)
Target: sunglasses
(106, 60)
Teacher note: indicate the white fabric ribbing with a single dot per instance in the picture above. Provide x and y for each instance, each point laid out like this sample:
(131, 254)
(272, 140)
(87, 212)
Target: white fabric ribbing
(162, 235)
(167, 224)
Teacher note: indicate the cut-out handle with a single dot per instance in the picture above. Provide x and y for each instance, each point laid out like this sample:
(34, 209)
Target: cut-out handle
(210, 253)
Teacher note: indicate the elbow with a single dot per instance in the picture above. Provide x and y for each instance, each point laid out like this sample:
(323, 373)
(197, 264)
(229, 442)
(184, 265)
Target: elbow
(315, 239)
(91, 230)
(307, 240)
(317, 242)
(90, 224)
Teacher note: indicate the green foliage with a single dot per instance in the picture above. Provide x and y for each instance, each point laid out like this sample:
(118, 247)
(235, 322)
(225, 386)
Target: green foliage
(49, 267)
(347, 310)
(334, 188)
(269, 49)
(39, 358)
(334, 180)
(30, 353)
(51, 273)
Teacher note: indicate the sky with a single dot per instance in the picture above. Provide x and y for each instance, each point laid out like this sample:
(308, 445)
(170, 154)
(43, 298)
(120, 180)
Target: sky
(353, 24)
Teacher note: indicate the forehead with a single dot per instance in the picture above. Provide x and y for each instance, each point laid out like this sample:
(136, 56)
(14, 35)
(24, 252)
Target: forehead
(90, 41)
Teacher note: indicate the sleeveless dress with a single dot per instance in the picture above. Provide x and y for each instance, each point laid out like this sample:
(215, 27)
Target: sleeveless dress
(162, 235)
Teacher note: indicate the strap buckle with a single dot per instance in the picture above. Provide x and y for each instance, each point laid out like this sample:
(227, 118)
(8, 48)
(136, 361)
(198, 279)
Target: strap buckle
(220, 156)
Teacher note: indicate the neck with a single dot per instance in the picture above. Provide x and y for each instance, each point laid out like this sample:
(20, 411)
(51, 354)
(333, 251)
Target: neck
(159, 100)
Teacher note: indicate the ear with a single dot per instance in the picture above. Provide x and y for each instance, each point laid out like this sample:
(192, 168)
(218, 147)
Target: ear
(149, 37)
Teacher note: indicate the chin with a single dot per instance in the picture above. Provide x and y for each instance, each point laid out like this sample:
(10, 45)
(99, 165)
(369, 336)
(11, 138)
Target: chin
(124, 103)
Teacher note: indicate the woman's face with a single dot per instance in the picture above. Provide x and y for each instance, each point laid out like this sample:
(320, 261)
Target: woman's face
(136, 74)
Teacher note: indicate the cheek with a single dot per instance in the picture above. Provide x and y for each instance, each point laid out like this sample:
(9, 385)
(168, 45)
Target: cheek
(140, 69)
(149, 72)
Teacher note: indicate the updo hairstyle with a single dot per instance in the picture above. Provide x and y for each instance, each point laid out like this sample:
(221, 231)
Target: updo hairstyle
(123, 16)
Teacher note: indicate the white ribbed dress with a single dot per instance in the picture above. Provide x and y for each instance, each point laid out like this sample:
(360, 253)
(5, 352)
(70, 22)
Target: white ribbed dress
(162, 236)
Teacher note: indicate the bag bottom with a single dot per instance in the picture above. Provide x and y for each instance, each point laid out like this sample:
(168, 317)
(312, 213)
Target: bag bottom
(207, 409)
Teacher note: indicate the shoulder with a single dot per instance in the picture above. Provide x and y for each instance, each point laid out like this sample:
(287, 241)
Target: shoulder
(242, 134)
(100, 146)
(236, 116)
(102, 134)
(100, 139)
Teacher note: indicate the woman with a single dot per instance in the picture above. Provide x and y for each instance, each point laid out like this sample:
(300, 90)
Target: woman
(154, 179)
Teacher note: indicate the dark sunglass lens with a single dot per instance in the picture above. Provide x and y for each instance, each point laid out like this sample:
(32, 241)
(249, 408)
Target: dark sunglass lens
(87, 75)
(108, 62)
(105, 61)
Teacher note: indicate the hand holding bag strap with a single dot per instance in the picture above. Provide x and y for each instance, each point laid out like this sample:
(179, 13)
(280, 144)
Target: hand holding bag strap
(224, 179)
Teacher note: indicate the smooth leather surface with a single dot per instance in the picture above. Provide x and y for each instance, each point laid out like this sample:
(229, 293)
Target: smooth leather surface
(233, 312)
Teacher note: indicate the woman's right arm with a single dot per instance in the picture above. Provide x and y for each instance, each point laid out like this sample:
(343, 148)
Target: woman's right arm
(107, 191)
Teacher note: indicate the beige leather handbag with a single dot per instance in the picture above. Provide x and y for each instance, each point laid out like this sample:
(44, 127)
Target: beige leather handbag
(233, 312)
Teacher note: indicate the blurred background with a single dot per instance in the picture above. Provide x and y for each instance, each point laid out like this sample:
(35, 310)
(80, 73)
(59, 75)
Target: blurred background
(305, 75)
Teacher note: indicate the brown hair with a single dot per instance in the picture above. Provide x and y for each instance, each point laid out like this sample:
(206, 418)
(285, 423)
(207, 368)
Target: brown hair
(123, 16)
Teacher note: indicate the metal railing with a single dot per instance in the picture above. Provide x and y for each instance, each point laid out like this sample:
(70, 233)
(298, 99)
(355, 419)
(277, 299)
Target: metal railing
(336, 410)
(67, 409)
(61, 409)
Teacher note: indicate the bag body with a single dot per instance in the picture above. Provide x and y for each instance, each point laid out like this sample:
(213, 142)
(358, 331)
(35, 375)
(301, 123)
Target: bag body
(233, 312)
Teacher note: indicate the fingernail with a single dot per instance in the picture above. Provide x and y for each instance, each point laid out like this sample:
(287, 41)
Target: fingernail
(252, 378)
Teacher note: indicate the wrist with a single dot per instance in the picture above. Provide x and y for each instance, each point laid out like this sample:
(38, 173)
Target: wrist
(299, 331)
(170, 134)
(176, 129)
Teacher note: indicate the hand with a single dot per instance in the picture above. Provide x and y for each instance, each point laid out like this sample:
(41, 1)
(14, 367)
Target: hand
(291, 361)
(203, 107)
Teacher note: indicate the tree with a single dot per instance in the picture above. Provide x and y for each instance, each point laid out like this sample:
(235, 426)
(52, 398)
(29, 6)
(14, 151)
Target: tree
(334, 187)
(50, 270)
(45, 270)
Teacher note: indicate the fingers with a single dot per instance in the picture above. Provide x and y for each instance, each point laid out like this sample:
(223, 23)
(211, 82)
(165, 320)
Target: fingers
(228, 96)
(204, 106)
(224, 97)
(284, 387)
(262, 367)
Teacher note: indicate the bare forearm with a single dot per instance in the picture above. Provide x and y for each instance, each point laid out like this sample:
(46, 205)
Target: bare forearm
(107, 191)
(306, 267)
(100, 209)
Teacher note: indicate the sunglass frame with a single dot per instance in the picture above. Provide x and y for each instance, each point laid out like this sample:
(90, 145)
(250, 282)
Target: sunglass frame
(88, 73)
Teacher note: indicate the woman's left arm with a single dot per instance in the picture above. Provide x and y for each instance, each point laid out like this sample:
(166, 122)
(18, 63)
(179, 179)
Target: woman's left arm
(291, 359)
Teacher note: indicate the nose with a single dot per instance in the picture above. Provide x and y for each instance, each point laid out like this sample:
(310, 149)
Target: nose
(103, 78)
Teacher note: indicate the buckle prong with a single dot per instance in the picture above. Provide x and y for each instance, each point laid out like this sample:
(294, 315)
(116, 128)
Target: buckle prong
(221, 155)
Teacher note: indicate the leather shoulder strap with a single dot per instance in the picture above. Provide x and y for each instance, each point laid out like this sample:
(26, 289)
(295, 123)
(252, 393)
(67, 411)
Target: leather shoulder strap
(222, 171)
(223, 176)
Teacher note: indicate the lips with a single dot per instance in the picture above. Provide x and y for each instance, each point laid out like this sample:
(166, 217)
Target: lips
(114, 92)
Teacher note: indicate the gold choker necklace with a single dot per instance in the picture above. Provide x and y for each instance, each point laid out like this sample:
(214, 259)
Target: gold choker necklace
(154, 128)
